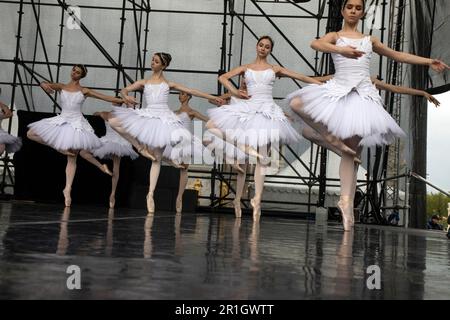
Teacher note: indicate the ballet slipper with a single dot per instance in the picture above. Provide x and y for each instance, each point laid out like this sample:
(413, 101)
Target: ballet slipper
(256, 209)
(150, 203)
(67, 198)
(345, 207)
(251, 152)
(237, 168)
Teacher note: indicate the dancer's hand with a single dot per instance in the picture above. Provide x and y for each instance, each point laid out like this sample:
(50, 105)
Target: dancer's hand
(47, 88)
(219, 101)
(438, 65)
(432, 99)
(351, 52)
(241, 94)
(130, 101)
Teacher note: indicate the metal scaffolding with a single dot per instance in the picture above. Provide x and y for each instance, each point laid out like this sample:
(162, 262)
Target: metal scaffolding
(232, 19)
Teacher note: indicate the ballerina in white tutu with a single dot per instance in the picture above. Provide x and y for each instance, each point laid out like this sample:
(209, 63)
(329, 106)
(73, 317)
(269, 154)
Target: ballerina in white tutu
(155, 127)
(113, 147)
(7, 141)
(256, 123)
(69, 132)
(308, 132)
(348, 106)
(219, 149)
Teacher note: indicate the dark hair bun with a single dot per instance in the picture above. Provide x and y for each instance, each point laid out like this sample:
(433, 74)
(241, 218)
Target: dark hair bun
(166, 58)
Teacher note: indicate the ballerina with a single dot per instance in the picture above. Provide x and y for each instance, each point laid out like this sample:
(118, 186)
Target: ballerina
(219, 148)
(256, 122)
(70, 133)
(113, 147)
(349, 106)
(7, 141)
(155, 127)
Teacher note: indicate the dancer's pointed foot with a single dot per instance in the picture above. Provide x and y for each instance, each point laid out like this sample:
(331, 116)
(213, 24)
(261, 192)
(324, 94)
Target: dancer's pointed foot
(150, 203)
(345, 206)
(67, 198)
(340, 145)
(256, 204)
(146, 153)
(237, 208)
(106, 170)
(238, 168)
(179, 205)
(252, 152)
(112, 201)
(357, 160)
(67, 153)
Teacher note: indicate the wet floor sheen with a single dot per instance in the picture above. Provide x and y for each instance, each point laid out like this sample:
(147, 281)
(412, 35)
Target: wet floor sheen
(124, 254)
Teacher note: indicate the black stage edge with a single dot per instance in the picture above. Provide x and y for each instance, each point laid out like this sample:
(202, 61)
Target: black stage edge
(40, 175)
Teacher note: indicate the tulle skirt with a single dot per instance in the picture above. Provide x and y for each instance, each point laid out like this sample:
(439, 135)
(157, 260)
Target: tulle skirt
(254, 123)
(12, 144)
(158, 129)
(114, 145)
(64, 133)
(349, 115)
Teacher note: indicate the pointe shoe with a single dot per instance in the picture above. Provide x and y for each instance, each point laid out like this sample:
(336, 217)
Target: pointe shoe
(150, 203)
(145, 153)
(345, 206)
(237, 209)
(179, 205)
(256, 209)
(112, 201)
(67, 198)
(106, 170)
(340, 145)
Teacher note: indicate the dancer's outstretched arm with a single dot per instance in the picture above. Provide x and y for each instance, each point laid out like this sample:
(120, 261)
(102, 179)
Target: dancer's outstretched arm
(51, 87)
(404, 57)
(6, 112)
(129, 100)
(97, 95)
(283, 72)
(194, 113)
(194, 92)
(405, 90)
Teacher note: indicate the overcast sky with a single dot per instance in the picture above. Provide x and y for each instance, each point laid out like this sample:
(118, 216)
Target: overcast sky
(438, 163)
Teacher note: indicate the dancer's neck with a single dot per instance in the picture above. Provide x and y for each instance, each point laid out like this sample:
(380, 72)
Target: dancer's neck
(259, 60)
(157, 75)
(350, 27)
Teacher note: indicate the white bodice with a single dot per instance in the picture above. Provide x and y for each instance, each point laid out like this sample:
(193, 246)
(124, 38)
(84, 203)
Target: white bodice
(260, 84)
(185, 120)
(71, 103)
(157, 95)
(353, 74)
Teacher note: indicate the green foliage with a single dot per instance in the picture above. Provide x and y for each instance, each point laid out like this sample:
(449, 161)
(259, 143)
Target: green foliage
(437, 203)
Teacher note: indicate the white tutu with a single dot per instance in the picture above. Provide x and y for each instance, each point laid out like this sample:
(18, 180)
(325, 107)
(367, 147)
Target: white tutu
(349, 104)
(257, 121)
(114, 145)
(69, 130)
(156, 125)
(12, 144)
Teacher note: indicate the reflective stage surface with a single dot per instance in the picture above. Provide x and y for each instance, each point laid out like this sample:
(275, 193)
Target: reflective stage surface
(124, 254)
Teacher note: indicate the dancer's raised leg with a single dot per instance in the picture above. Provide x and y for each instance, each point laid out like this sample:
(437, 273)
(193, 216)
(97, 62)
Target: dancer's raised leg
(90, 158)
(141, 148)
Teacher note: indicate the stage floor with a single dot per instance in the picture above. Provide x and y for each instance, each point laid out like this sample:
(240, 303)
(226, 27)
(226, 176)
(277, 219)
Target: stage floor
(123, 254)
